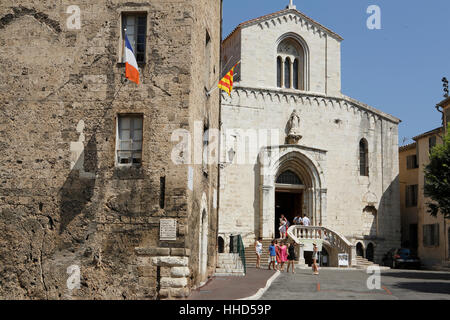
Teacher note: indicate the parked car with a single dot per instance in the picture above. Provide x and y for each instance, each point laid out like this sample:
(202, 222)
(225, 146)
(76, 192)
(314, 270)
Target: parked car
(401, 258)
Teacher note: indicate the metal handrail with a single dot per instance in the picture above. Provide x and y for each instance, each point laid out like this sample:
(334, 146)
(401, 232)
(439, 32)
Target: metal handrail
(242, 252)
(237, 246)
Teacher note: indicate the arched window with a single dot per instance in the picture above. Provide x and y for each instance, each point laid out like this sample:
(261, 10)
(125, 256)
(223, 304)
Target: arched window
(279, 66)
(289, 177)
(295, 75)
(287, 73)
(363, 158)
(290, 74)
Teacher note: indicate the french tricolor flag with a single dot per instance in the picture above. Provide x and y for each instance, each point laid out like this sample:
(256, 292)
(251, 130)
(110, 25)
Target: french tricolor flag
(131, 67)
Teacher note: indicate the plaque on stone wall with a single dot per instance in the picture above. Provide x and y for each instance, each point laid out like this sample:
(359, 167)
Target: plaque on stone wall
(167, 229)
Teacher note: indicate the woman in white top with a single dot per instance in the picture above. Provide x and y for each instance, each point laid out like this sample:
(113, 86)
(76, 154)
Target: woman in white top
(314, 257)
(258, 250)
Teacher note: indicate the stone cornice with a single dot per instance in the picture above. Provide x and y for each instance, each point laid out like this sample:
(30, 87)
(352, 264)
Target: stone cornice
(306, 96)
(295, 146)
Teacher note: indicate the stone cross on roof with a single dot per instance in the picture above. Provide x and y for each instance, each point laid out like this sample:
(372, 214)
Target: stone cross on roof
(291, 5)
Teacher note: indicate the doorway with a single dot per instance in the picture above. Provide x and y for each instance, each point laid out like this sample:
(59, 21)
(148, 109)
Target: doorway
(369, 252)
(359, 250)
(288, 203)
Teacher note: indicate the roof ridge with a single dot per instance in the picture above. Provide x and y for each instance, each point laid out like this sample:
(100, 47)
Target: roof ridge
(277, 13)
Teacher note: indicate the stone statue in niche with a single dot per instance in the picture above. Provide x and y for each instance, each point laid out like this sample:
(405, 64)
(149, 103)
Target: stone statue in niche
(294, 135)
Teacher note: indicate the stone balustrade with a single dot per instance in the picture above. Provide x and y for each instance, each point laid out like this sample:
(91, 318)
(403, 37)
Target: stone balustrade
(331, 238)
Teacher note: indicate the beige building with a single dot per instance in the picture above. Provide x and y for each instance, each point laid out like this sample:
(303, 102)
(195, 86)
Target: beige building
(89, 189)
(421, 232)
(409, 182)
(299, 145)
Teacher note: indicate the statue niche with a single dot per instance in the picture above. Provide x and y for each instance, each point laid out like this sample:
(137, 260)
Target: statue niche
(293, 127)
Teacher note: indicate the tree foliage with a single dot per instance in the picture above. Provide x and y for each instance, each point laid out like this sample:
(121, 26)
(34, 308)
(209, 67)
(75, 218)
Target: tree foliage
(437, 178)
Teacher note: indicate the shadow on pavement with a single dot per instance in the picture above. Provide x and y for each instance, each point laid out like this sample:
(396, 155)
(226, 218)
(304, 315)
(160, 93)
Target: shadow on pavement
(417, 275)
(427, 287)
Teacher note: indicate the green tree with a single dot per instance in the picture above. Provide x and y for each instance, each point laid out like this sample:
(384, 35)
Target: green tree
(437, 178)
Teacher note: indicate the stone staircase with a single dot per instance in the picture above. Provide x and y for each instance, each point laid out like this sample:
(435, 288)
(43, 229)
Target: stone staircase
(229, 264)
(250, 255)
(363, 263)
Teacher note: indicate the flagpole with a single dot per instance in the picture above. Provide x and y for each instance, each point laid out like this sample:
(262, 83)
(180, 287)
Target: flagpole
(208, 93)
(215, 87)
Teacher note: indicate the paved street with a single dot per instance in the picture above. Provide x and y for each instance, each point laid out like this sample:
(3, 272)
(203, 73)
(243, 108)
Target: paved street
(351, 285)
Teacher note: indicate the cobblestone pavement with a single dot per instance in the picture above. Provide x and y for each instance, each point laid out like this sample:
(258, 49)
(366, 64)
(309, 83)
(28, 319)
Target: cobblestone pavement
(352, 285)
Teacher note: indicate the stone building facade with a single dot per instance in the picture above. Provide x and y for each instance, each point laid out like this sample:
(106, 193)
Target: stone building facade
(74, 200)
(338, 162)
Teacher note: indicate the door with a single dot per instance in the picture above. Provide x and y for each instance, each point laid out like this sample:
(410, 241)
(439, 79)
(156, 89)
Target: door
(289, 204)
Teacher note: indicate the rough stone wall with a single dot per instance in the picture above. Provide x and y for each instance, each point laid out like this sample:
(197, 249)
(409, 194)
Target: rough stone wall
(62, 206)
(204, 112)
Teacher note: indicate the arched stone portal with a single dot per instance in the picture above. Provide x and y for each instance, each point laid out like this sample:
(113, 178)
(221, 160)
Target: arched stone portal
(308, 164)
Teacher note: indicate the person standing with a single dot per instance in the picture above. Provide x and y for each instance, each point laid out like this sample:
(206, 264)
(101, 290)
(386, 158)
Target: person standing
(278, 254)
(291, 256)
(283, 255)
(273, 255)
(258, 250)
(298, 220)
(315, 257)
(306, 221)
(284, 225)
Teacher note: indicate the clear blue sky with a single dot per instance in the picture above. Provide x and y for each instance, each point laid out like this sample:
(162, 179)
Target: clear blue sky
(397, 69)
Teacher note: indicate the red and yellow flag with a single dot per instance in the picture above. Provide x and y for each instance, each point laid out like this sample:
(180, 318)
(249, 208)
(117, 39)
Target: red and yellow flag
(226, 84)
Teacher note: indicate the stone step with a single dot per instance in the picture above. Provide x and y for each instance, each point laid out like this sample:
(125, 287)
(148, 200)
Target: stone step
(228, 271)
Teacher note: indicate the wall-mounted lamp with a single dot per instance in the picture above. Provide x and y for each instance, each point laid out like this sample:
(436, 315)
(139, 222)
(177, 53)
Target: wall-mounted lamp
(231, 154)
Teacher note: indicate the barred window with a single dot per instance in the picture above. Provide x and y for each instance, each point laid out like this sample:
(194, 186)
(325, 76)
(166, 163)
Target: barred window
(134, 25)
(411, 162)
(279, 66)
(289, 177)
(295, 74)
(291, 65)
(363, 158)
(287, 73)
(129, 142)
(431, 235)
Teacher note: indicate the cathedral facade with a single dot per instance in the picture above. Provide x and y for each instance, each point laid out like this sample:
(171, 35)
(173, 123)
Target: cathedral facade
(294, 144)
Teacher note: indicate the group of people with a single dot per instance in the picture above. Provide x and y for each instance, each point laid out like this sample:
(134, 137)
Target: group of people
(279, 254)
(298, 220)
